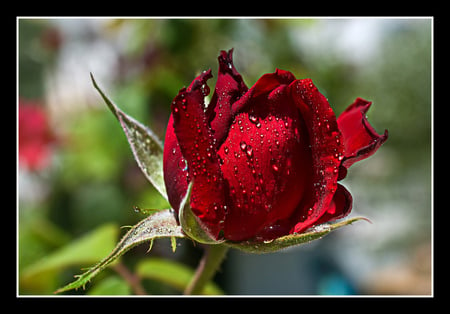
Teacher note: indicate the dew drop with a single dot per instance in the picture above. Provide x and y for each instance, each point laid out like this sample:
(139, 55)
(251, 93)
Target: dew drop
(254, 119)
(243, 145)
(182, 164)
(205, 90)
(274, 165)
(249, 151)
(226, 150)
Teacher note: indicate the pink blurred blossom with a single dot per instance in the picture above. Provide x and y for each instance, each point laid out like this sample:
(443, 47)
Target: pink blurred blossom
(35, 136)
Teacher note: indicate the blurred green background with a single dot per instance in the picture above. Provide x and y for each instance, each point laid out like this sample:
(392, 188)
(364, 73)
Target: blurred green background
(69, 212)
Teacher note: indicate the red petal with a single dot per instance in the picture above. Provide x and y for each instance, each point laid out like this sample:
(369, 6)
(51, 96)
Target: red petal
(174, 168)
(270, 81)
(360, 138)
(229, 88)
(197, 146)
(340, 206)
(266, 160)
(266, 84)
(326, 149)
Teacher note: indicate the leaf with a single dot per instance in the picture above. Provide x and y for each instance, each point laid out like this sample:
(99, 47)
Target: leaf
(87, 249)
(190, 223)
(111, 286)
(145, 145)
(292, 239)
(173, 274)
(159, 225)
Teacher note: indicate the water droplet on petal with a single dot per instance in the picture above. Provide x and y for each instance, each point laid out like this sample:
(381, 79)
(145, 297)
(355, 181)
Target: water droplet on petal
(182, 164)
(274, 165)
(249, 151)
(205, 90)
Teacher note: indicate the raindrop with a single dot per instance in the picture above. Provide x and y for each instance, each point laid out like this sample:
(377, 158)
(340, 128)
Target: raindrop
(255, 120)
(226, 150)
(182, 164)
(205, 90)
(243, 145)
(274, 165)
(249, 151)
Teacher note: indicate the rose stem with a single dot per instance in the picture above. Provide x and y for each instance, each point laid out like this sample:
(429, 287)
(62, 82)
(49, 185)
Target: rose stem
(130, 278)
(209, 264)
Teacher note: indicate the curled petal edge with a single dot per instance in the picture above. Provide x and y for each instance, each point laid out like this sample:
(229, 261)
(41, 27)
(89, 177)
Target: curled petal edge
(191, 224)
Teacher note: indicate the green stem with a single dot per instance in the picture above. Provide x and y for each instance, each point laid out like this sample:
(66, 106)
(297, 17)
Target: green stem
(210, 262)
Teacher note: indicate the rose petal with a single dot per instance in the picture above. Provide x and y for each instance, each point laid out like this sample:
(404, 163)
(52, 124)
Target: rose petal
(360, 138)
(266, 84)
(229, 88)
(197, 146)
(266, 159)
(340, 206)
(326, 149)
(174, 168)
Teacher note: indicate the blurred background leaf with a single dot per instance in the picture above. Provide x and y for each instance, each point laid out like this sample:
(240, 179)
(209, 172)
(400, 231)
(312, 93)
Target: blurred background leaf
(84, 251)
(171, 273)
(91, 178)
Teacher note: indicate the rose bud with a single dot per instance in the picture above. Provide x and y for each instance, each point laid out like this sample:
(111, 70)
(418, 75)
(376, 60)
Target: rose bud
(265, 161)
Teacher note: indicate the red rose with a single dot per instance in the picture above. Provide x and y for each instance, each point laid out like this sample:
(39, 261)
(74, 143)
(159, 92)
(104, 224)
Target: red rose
(35, 136)
(266, 160)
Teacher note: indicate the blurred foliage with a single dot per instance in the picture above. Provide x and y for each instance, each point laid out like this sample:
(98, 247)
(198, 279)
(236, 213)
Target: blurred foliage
(93, 182)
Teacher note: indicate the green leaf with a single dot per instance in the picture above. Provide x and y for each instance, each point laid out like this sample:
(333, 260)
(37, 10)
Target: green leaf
(291, 240)
(173, 274)
(159, 225)
(87, 249)
(111, 286)
(190, 223)
(145, 145)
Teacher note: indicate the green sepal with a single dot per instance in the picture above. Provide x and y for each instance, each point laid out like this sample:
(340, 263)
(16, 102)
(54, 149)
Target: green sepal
(191, 224)
(162, 224)
(145, 145)
(317, 232)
